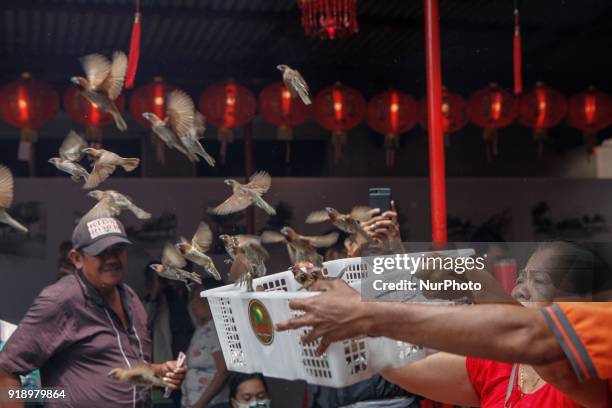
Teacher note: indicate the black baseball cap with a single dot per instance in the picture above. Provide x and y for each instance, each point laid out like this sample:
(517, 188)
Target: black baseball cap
(94, 236)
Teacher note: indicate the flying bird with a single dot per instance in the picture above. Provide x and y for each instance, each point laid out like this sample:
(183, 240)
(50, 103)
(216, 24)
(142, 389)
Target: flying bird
(195, 250)
(104, 83)
(70, 153)
(191, 140)
(111, 203)
(6, 199)
(244, 195)
(295, 83)
(248, 258)
(349, 223)
(105, 163)
(171, 267)
(179, 120)
(301, 248)
(142, 376)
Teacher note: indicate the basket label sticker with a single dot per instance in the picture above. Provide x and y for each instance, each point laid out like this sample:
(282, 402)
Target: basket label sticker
(261, 323)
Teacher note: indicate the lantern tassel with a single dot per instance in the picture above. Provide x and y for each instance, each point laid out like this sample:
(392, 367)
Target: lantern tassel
(518, 63)
(134, 49)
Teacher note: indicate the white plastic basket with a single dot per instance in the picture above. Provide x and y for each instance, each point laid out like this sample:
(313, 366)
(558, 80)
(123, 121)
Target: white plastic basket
(245, 325)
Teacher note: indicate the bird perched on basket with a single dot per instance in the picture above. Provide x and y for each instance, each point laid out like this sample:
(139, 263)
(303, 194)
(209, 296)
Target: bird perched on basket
(103, 83)
(71, 153)
(6, 199)
(300, 247)
(349, 223)
(295, 83)
(247, 256)
(195, 250)
(306, 273)
(105, 163)
(244, 195)
(142, 376)
(111, 203)
(182, 127)
(171, 267)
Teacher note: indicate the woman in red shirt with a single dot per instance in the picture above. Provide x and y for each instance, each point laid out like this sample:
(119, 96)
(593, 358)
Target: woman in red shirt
(550, 274)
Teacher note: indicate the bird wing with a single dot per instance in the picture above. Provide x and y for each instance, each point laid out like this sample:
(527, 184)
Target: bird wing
(180, 112)
(234, 203)
(172, 257)
(297, 84)
(272, 237)
(106, 207)
(6, 187)
(113, 83)
(100, 172)
(259, 182)
(71, 147)
(239, 267)
(361, 213)
(261, 251)
(317, 216)
(203, 237)
(322, 241)
(97, 68)
(244, 240)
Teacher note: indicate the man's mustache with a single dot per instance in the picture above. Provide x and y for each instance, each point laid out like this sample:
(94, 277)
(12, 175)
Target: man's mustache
(114, 267)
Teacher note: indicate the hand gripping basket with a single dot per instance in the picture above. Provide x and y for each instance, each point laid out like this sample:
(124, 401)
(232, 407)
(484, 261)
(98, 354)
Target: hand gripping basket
(250, 343)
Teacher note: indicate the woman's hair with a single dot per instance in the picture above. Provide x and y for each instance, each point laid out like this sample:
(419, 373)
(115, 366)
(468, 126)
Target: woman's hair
(238, 378)
(580, 268)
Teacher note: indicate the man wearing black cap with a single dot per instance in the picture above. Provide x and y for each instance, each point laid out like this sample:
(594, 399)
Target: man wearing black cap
(86, 324)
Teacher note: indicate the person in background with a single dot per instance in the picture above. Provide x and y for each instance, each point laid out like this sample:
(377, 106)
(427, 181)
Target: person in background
(246, 391)
(64, 264)
(158, 314)
(207, 375)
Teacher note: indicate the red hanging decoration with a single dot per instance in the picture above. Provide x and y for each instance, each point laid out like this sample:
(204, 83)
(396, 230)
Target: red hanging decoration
(338, 109)
(28, 104)
(134, 50)
(517, 52)
(391, 113)
(227, 106)
(151, 98)
(540, 109)
(278, 108)
(492, 108)
(454, 113)
(329, 19)
(81, 110)
(590, 111)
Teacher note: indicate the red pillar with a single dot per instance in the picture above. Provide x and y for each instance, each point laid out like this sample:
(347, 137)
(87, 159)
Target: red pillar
(249, 170)
(437, 178)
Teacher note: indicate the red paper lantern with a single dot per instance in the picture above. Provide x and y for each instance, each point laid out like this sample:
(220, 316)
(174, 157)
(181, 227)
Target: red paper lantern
(28, 104)
(278, 108)
(151, 98)
(81, 110)
(391, 113)
(540, 109)
(454, 112)
(227, 106)
(329, 19)
(590, 111)
(338, 109)
(492, 108)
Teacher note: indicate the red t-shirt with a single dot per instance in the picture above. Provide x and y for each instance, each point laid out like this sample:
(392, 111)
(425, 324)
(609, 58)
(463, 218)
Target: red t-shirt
(490, 381)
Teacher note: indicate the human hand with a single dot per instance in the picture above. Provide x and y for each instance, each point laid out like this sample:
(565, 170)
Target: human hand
(336, 314)
(384, 229)
(171, 375)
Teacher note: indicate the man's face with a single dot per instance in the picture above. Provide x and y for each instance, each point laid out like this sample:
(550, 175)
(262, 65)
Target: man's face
(105, 270)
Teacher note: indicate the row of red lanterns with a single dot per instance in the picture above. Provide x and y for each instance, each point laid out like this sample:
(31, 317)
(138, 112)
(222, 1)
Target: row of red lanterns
(28, 104)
